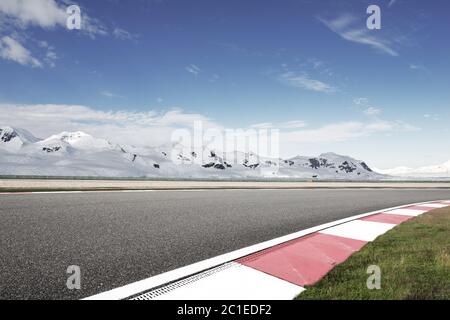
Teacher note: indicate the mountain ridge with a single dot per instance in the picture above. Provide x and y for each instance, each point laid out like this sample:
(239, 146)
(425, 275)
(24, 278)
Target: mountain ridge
(80, 154)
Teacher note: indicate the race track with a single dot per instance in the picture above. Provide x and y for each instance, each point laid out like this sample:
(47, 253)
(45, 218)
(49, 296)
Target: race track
(121, 237)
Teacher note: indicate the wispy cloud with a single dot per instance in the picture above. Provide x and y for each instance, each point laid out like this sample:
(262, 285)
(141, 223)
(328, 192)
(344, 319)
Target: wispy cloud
(303, 81)
(11, 49)
(434, 117)
(360, 101)
(343, 131)
(348, 28)
(418, 67)
(50, 55)
(294, 133)
(214, 78)
(123, 34)
(192, 68)
(262, 125)
(239, 50)
(110, 94)
(364, 106)
(294, 124)
(316, 63)
(372, 111)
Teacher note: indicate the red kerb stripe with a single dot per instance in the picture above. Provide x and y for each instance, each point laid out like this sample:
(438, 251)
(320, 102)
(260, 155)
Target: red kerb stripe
(306, 260)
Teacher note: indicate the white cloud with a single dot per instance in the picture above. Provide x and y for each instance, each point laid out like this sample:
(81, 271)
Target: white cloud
(11, 49)
(344, 131)
(303, 81)
(294, 124)
(360, 101)
(418, 67)
(192, 68)
(328, 133)
(125, 127)
(92, 27)
(345, 27)
(434, 117)
(42, 13)
(363, 105)
(110, 94)
(176, 117)
(263, 125)
(50, 54)
(214, 78)
(372, 111)
(47, 14)
(293, 137)
(50, 57)
(316, 63)
(124, 34)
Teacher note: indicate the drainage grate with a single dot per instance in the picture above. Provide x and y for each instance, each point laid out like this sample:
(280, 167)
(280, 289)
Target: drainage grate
(154, 293)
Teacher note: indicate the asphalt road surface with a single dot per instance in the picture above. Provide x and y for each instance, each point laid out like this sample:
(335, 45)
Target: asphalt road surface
(118, 237)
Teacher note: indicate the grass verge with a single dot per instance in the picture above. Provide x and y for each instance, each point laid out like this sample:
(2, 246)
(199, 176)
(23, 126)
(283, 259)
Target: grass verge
(414, 259)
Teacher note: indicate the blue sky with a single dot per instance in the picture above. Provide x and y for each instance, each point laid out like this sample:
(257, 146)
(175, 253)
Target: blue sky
(379, 95)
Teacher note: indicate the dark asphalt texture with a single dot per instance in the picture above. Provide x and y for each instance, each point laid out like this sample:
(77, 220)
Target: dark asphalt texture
(118, 238)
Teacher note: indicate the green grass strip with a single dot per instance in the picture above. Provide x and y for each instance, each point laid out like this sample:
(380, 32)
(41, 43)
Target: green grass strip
(414, 259)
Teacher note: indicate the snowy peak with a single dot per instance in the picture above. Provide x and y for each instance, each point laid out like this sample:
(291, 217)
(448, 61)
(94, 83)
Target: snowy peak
(12, 139)
(80, 141)
(70, 136)
(330, 155)
(331, 165)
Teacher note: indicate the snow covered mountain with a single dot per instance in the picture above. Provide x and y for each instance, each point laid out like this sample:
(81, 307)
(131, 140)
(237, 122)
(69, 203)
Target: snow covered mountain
(80, 154)
(437, 171)
(12, 139)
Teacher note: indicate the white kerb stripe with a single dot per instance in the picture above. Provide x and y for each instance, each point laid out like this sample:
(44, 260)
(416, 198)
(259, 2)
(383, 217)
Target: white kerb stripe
(359, 230)
(435, 205)
(406, 212)
(236, 282)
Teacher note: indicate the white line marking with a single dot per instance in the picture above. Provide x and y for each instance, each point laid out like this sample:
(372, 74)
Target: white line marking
(81, 191)
(194, 189)
(183, 272)
(359, 230)
(136, 190)
(237, 282)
